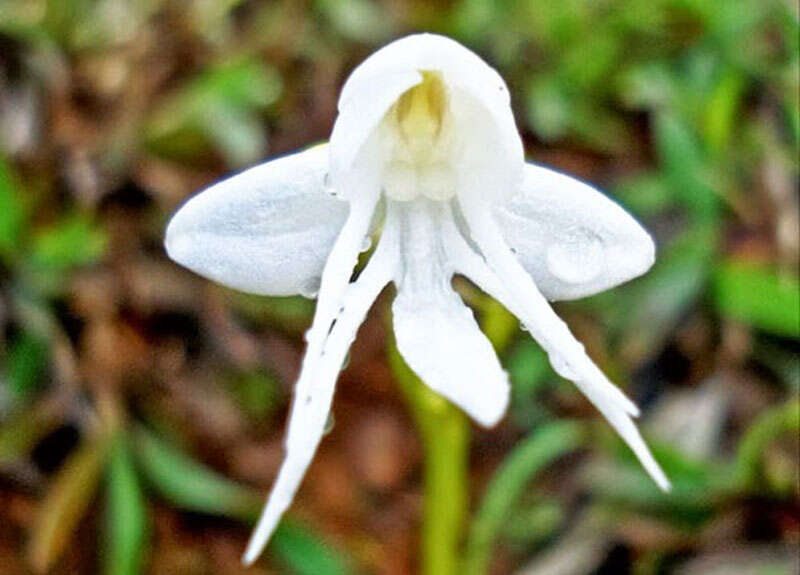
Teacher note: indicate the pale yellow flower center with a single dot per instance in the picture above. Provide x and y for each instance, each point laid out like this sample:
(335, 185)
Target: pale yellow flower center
(420, 127)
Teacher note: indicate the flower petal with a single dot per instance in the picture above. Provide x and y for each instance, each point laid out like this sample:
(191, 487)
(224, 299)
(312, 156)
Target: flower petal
(490, 148)
(436, 333)
(314, 391)
(429, 52)
(355, 123)
(572, 239)
(505, 279)
(267, 230)
(340, 309)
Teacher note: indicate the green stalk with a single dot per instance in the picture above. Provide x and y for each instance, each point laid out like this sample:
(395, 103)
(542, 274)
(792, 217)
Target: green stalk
(445, 440)
(444, 430)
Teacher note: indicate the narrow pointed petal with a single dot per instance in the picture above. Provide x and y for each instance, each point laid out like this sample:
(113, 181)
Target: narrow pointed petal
(267, 230)
(336, 278)
(436, 333)
(506, 280)
(314, 391)
(572, 239)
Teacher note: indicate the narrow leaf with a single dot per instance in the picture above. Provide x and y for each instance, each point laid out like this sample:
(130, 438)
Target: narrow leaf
(26, 361)
(66, 502)
(758, 296)
(305, 553)
(12, 213)
(190, 485)
(533, 454)
(126, 519)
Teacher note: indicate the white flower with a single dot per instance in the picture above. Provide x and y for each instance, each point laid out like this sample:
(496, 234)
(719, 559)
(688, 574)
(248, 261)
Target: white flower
(424, 129)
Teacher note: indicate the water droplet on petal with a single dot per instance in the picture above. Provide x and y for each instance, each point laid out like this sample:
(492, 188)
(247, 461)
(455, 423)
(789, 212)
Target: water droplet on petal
(576, 258)
(329, 423)
(328, 184)
(310, 287)
(366, 243)
(561, 367)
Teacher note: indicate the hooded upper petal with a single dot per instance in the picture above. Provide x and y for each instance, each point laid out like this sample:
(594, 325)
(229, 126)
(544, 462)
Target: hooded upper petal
(459, 66)
(486, 137)
(267, 230)
(572, 239)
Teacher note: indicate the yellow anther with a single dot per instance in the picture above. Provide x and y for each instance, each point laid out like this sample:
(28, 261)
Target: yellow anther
(420, 113)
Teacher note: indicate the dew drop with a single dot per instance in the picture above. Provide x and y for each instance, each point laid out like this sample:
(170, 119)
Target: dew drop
(329, 423)
(577, 258)
(310, 287)
(328, 184)
(561, 367)
(366, 243)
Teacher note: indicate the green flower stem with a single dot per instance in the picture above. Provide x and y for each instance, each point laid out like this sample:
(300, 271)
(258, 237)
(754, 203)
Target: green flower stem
(445, 440)
(499, 325)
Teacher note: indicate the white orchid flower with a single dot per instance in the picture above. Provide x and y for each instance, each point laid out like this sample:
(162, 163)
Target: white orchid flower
(424, 129)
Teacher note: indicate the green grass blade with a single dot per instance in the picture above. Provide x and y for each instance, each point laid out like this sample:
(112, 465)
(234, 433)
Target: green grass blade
(126, 514)
(529, 457)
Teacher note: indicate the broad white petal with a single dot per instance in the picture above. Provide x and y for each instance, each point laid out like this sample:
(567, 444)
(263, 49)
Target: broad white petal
(436, 333)
(314, 390)
(511, 285)
(572, 239)
(267, 230)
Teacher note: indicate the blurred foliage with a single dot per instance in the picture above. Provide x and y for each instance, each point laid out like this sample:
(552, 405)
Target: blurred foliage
(520, 465)
(113, 111)
(220, 104)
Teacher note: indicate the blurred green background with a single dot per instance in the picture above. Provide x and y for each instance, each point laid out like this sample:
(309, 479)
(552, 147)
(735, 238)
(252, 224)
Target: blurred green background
(142, 408)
